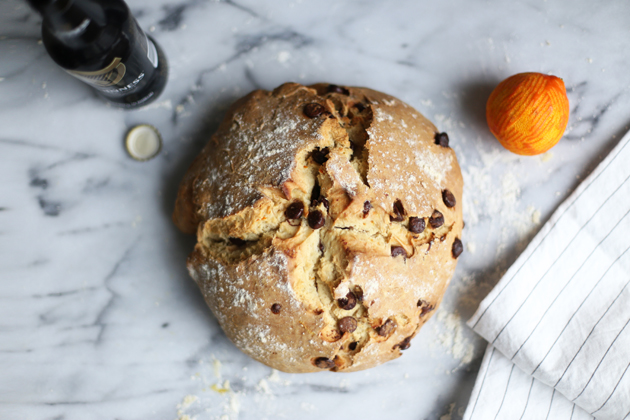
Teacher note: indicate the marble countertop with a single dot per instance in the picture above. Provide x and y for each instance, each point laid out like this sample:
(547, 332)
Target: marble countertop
(98, 317)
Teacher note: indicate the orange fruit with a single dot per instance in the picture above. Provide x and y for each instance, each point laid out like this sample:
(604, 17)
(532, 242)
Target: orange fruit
(528, 112)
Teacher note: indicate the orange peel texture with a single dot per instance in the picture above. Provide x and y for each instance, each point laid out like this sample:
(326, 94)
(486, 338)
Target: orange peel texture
(528, 112)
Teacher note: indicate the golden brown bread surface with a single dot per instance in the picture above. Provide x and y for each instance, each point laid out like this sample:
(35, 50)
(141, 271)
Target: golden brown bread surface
(328, 222)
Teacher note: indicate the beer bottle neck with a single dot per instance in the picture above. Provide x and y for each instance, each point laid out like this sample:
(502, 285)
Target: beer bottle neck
(72, 22)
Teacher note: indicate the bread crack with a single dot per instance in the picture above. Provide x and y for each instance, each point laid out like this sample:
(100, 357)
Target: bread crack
(374, 229)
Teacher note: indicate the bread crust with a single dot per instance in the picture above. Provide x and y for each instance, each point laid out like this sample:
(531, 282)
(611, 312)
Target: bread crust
(278, 286)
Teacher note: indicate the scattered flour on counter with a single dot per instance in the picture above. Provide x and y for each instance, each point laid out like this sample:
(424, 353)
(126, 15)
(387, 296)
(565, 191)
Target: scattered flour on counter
(546, 157)
(469, 290)
(263, 386)
(274, 377)
(167, 104)
(493, 192)
(450, 333)
(235, 404)
(188, 401)
(535, 215)
(216, 365)
(443, 121)
(221, 389)
(307, 406)
(427, 102)
(284, 56)
(448, 415)
(225, 393)
(184, 405)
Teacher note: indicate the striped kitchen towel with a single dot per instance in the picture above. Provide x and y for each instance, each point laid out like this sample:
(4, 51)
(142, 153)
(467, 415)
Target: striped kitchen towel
(558, 321)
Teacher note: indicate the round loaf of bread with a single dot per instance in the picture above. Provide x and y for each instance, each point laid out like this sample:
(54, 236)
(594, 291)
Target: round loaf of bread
(328, 224)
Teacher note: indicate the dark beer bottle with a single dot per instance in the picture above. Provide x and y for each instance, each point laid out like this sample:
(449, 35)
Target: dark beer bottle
(100, 43)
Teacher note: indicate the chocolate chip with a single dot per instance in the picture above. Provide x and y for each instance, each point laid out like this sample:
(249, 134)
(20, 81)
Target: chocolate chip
(316, 219)
(358, 292)
(313, 110)
(425, 306)
(324, 363)
(353, 346)
(399, 212)
(436, 220)
(338, 89)
(275, 308)
(458, 248)
(295, 210)
(367, 206)
(320, 156)
(323, 201)
(347, 324)
(398, 250)
(416, 224)
(398, 207)
(448, 198)
(349, 302)
(441, 139)
(359, 106)
(387, 328)
(237, 241)
(405, 344)
(315, 192)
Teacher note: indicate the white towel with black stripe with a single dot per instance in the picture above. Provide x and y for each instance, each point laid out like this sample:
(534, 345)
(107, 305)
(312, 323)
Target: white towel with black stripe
(558, 321)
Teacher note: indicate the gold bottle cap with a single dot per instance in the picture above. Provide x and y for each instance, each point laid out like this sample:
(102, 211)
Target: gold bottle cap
(143, 142)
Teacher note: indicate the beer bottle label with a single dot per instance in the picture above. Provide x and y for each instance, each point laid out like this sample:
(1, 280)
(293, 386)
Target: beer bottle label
(120, 78)
(105, 77)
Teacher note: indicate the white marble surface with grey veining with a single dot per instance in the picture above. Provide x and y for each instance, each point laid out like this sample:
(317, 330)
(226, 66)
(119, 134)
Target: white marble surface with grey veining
(98, 317)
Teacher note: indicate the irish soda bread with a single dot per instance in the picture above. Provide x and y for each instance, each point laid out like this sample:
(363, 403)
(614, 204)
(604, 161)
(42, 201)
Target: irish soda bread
(328, 221)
